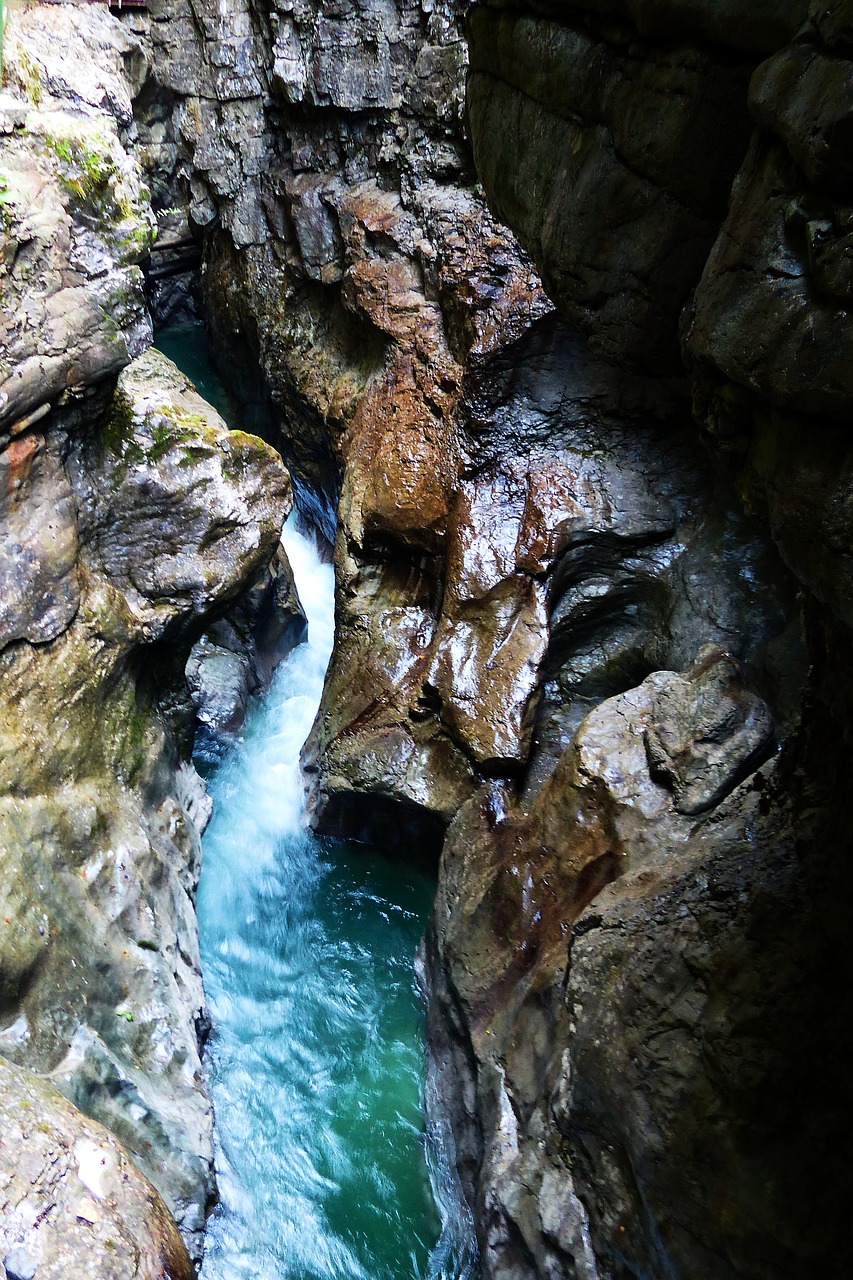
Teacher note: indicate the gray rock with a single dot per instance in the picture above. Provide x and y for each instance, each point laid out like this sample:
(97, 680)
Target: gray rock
(176, 510)
(76, 218)
(39, 578)
(220, 680)
(72, 1202)
(707, 732)
(620, 199)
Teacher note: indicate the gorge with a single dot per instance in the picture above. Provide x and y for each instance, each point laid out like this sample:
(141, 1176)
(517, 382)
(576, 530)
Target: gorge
(538, 313)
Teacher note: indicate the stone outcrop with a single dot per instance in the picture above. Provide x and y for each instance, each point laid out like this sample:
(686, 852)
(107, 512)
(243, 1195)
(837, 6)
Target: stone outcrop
(236, 655)
(72, 1202)
(613, 988)
(559, 630)
(133, 520)
(102, 989)
(399, 346)
(75, 216)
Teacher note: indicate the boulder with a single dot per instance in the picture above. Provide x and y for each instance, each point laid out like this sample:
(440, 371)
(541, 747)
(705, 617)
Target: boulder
(72, 1202)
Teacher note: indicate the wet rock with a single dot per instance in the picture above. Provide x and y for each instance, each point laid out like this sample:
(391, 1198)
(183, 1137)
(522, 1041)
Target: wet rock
(175, 509)
(237, 655)
(220, 679)
(162, 517)
(676, 1049)
(707, 732)
(803, 95)
(72, 1201)
(175, 516)
(364, 301)
(527, 538)
(775, 409)
(578, 1045)
(776, 271)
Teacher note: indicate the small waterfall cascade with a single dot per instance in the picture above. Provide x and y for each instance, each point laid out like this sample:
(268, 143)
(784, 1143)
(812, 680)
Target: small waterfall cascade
(316, 1061)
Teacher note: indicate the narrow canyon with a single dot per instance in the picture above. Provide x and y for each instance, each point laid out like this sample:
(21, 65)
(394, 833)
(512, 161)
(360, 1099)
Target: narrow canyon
(426, 593)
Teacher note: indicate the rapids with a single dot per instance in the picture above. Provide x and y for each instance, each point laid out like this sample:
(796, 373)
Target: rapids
(316, 1061)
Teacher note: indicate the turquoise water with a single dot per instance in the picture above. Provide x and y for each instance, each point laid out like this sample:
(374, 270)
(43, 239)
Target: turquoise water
(186, 344)
(316, 1060)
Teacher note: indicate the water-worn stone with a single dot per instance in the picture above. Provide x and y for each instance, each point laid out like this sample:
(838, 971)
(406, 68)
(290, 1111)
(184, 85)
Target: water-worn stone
(237, 655)
(707, 732)
(39, 581)
(611, 987)
(176, 510)
(130, 518)
(604, 1108)
(769, 312)
(100, 821)
(71, 1200)
(768, 337)
(526, 539)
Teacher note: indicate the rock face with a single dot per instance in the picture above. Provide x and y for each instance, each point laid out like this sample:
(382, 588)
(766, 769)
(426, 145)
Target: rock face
(617, 959)
(102, 989)
(613, 984)
(75, 217)
(236, 655)
(133, 519)
(398, 342)
(71, 1200)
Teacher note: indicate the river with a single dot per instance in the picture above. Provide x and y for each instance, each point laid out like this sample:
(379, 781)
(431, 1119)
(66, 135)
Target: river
(316, 1060)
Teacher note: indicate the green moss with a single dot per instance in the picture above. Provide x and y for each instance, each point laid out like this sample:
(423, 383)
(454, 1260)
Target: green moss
(89, 173)
(245, 453)
(118, 432)
(175, 427)
(88, 168)
(193, 453)
(30, 77)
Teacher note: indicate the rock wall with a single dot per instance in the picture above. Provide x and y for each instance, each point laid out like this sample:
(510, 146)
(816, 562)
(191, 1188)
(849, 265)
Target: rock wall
(618, 965)
(132, 518)
(399, 345)
(71, 1202)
